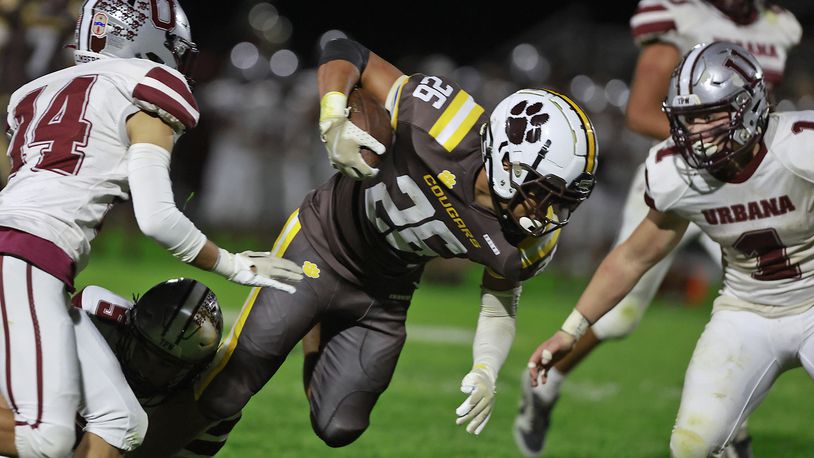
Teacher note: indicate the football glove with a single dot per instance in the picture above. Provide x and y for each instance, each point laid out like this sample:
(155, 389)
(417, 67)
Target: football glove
(268, 269)
(477, 408)
(343, 139)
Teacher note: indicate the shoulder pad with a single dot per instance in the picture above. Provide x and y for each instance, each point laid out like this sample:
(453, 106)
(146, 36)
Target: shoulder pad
(667, 176)
(666, 21)
(788, 136)
(438, 106)
(165, 92)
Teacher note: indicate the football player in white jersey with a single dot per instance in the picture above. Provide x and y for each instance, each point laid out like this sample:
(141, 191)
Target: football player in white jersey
(746, 178)
(84, 138)
(665, 30)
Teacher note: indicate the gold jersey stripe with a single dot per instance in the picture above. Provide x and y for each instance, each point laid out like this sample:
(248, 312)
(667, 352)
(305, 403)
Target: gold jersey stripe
(590, 136)
(456, 120)
(531, 250)
(290, 230)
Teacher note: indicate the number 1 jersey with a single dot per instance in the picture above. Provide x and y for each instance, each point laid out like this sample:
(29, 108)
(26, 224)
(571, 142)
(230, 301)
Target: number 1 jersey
(69, 144)
(763, 220)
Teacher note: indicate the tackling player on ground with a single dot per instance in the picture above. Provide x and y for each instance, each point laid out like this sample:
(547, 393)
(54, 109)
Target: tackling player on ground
(83, 139)
(665, 30)
(745, 177)
(495, 190)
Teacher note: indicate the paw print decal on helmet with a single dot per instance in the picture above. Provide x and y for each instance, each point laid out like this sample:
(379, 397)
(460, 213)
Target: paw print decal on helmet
(525, 122)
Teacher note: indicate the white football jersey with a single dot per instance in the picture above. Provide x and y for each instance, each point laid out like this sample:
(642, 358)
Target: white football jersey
(68, 150)
(685, 23)
(764, 223)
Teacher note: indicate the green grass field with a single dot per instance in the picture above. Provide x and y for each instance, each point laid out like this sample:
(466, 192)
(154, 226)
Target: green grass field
(621, 403)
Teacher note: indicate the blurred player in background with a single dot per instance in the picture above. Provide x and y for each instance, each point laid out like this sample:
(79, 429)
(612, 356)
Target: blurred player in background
(745, 177)
(665, 30)
(495, 190)
(84, 138)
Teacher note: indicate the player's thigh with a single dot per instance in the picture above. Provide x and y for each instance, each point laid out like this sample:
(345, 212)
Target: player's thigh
(109, 406)
(38, 357)
(270, 324)
(354, 368)
(734, 365)
(635, 208)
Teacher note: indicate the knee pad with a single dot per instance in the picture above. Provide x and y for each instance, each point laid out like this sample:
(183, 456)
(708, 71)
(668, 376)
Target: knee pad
(44, 441)
(350, 419)
(123, 430)
(619, 322)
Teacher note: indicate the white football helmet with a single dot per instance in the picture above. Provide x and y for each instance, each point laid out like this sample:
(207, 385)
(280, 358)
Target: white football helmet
(157, 30)
(540, 152)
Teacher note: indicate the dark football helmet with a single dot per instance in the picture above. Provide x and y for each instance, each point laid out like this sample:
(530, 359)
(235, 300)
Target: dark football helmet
(712, 81)
(172, 333)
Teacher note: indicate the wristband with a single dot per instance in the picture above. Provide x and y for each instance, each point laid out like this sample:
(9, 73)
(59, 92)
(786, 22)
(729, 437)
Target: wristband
(575, 324)
(334, 104)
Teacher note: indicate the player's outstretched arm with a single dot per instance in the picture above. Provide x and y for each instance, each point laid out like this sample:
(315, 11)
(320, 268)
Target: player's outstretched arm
(344, 64)
(650, 79)
(493, 339)
(158, 217)
(618, 273)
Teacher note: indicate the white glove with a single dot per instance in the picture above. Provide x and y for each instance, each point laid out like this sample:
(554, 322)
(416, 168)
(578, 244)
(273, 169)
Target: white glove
(480, 386)
(343, 139)
(238, 268)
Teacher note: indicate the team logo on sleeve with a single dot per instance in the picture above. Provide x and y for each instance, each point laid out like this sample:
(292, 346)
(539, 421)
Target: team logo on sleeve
(310, 269)
(447, 178)
(98, 26)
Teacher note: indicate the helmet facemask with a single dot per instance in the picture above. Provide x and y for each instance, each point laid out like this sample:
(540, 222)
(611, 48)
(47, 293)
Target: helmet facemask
(151, 372)
(172, 333)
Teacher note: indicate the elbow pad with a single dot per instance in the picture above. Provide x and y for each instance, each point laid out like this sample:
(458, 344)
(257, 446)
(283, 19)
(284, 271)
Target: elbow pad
(154, 205)
(345, 49)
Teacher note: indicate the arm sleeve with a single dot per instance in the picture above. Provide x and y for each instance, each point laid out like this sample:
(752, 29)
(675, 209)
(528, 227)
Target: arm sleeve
(154, 205)
(496, 329)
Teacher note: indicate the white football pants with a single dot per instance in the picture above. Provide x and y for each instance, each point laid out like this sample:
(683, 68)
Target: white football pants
(736, 360)
(624, 318)
(55, 365)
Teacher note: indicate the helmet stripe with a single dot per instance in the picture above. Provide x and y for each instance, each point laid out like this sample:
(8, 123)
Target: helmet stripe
(590, 135)
(290, 230)
(83, 39)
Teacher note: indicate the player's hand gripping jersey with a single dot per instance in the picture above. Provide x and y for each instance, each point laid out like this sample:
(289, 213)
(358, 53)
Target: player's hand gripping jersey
(69, 145)
(762, 221)
(419, 206)
(684, 23)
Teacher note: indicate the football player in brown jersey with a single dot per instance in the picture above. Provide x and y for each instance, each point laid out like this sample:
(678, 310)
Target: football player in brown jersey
(456, 182)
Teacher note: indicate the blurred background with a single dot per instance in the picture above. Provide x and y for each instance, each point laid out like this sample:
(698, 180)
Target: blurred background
(257, 92)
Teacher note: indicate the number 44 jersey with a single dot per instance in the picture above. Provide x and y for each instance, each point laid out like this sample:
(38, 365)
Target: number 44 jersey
(421, 205)
(69, 145)
(763, 220)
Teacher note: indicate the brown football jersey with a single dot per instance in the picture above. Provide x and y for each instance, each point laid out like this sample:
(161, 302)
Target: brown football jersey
(421, 205)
